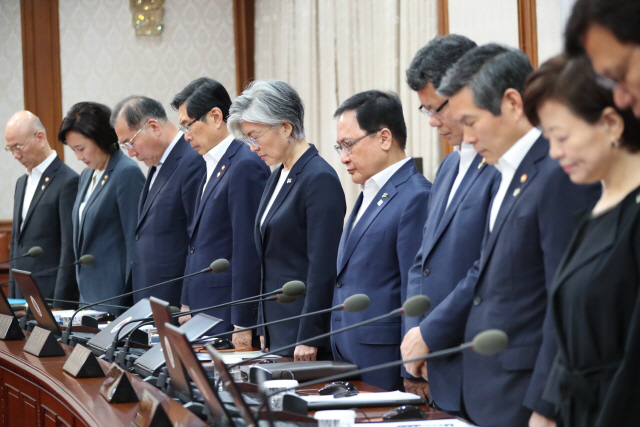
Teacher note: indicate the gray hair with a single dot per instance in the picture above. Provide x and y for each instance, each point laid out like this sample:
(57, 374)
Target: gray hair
(488, 71)
(136, 110)
(268, 102)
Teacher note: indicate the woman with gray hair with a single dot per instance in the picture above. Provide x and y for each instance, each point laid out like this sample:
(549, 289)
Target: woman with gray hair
(299, 221)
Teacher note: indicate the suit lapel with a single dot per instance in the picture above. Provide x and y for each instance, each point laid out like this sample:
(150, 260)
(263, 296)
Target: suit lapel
(168, 167)
(83, 187)
(347, 229)
(264, 201)
(45, 182)
(113, 161)
(19, 201)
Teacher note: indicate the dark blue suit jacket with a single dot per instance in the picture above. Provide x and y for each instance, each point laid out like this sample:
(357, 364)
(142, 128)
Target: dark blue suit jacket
(299, 241)
(223, 228)
(451, 242)
(107, 230)
(374, 259)
(507, 289)
(165, 216)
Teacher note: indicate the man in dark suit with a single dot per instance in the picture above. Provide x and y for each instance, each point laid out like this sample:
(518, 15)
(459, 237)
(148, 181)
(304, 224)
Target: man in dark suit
(379, 239)
(42, 207)
(529, 225)
(458, 208)
(168, 200)
(226, 207)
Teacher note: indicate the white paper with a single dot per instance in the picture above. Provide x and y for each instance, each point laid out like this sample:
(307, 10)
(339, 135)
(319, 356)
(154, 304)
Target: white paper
(451, 422)
(386, 396)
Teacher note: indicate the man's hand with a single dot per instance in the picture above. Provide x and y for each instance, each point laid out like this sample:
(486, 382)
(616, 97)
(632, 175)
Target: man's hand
(241, 339)
(416, 386)
(304, 353)
(538, 420)
(183, 319)
(414, 346)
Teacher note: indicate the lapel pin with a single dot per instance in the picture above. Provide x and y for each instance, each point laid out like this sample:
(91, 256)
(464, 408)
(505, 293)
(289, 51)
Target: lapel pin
(103, 181)
(218, 176)
(46, 179)
(482, 163)
(638, 198)
(42, 186)
(516, 192)
(385, 194)
(289, 181)
(223, 166)
(379, 202)
(105, 177)
(523, 178)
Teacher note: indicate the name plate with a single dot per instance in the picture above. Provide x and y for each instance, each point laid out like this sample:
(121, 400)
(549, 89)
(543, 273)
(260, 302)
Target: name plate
(82, 363)
(9, 328)
(117, 388)
(151, 413)
(43, 343)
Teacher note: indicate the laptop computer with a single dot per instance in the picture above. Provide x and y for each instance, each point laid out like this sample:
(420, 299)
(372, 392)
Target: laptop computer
(153, 360)
(35, 301)
(101, 342)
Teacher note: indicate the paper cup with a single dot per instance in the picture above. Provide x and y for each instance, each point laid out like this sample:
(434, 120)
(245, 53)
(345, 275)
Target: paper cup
(273, 386)
(335, 418)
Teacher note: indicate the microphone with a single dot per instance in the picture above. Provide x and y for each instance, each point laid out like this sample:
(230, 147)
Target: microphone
(413, 307)
(486, 343)
(84, 303)
(353, 304)
(34, 252)
(85, 260)
(217, 266)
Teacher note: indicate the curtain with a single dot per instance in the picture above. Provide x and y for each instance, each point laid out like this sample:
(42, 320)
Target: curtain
(329, 50)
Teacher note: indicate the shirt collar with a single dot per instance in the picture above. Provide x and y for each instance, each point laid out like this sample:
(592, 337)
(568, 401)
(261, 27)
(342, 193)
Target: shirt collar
(467, 152)
(39, 170)
(514, 155)
(381, 178)
(169, 148)
(216, 153)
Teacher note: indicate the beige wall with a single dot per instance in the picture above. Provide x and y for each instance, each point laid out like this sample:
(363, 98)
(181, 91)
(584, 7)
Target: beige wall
(485, 21)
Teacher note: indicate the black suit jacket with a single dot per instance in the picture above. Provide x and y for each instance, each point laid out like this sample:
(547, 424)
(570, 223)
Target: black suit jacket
(48, 225)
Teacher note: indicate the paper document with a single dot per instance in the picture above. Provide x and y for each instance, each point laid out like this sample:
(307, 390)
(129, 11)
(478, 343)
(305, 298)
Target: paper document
(386, 397)
(452, 422)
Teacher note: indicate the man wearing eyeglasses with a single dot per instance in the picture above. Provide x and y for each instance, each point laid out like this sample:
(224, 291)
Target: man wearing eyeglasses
(228, 198)
(168, 199)
(458, 208)
(42, 207)
(382, 233)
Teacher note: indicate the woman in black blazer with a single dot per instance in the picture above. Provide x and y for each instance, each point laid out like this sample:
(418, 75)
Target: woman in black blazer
(595, 298)
(300, 218)
(105, 212)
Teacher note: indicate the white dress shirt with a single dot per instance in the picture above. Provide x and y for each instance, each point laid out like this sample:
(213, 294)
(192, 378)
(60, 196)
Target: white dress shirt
(467, 153)
(283, 176)
(507, 165)
(33, 178)
(95, 178)
(213, 156)
(164, 157)
(373, 185)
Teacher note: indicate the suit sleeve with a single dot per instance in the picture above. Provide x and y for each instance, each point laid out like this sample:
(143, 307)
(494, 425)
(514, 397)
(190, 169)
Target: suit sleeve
(245, 191)
(556, 211)
(66, 284)
(325, 208)
(14, 235)
(191, 180)
(130, 184)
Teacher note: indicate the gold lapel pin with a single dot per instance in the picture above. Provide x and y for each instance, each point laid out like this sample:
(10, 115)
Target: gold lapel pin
(289, 181)
(516, 192)
(103, 181)
(523, 178)
(46, 179)
(218, 176)
(42, 186)
(482, 163)
(385, 194)
(223, 166)
(105, 177)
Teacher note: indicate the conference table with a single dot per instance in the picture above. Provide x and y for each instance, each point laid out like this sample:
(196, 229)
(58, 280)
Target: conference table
(35, 391)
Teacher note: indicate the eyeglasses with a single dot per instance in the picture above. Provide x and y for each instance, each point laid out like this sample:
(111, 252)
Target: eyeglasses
(128, 145)
(18, 148)
(187, 128)
(435, 112)
(348, 144)
(254, 141)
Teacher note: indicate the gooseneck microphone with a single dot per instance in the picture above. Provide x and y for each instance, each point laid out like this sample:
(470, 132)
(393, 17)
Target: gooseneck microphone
(217, 266)
(84, 260)
(353, 304)
(84, 303)
(413, 307)
(34, 252)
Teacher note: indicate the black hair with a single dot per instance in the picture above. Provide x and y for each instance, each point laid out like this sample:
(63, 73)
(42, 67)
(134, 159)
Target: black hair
(91, 120)
(137, 110)
(201, 96)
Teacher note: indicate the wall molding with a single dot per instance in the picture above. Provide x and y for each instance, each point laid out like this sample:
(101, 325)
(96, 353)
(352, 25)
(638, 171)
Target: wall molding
(244, 35)
(528, 29)
(443, 29)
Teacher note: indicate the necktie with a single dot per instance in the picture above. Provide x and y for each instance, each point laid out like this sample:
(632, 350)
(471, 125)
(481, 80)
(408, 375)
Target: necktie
(145, 191)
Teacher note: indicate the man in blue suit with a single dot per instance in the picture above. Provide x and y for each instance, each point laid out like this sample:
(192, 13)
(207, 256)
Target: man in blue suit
(226, 207)
(530, 223)
(168, 199)
(379, 239)
(458, 208)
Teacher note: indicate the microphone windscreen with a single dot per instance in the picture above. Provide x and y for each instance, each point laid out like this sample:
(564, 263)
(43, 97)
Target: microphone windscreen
(173, 309)
(416, 306)
(285, 299)
(35, 252)
(87, 259)
(356, 303)
(294, 288)
(219, 265)
(490, 342)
